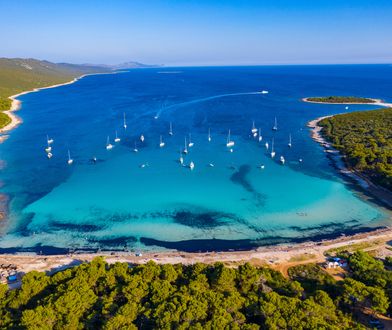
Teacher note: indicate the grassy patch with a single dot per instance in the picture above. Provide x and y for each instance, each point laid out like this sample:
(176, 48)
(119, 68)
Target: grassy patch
(302, 257)
(352, 247)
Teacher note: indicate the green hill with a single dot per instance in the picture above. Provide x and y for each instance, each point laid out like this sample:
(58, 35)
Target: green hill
(18, 75)
(365, 138)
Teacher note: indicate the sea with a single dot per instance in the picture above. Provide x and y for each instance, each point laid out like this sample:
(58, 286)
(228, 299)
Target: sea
(233, 199)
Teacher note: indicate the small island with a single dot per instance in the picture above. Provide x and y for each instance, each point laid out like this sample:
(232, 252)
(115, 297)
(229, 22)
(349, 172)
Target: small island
(340, 100)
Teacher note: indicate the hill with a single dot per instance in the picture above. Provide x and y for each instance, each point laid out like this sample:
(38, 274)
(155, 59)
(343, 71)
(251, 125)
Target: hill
(18, 75)
(365, 139)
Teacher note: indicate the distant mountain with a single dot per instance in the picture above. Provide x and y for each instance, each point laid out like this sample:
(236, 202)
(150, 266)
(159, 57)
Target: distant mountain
(129, 65)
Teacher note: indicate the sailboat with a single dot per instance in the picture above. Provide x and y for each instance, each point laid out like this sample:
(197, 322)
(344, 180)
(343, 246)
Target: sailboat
(171, 129)
(282, 160)
(48, 148)
(70, 160)
(117, 139)
(49, 140)
(290, 144)
(275, 127)
(229, 143)
(209, 135)
(135, 149)
(161, 143)
(266, 145)
(190, 144)
(260, 137)
(254, 129)
(181, 159)
(142, 138)
(108, 144)
(185, 150)
(191, 165)
(124, 122)
(272, 149)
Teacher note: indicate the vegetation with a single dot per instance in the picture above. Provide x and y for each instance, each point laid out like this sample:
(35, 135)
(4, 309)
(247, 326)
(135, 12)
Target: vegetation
(4, 119)
(18, 75)
(353, 247)
(365, 139)
(5, 103)
(97, 295)
(340, 99)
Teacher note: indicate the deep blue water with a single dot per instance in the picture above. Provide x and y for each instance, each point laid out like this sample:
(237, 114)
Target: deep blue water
(114, 203)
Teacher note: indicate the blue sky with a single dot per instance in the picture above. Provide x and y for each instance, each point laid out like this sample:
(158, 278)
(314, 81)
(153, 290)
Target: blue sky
(198, 32)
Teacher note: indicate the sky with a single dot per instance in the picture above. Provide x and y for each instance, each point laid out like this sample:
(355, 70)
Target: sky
(201, 32)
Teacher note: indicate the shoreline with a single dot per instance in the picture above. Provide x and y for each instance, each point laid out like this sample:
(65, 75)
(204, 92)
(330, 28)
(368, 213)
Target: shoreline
(279, 257)
(377, 102)
(380, 193)
(17, 104)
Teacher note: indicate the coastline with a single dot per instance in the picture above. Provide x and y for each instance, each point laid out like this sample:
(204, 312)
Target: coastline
(17, 104)
(381, 194)
(279, 257)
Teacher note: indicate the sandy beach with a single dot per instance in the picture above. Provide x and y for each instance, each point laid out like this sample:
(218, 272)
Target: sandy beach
(279, 257)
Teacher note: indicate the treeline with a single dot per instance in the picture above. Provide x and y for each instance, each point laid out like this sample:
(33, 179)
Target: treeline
(365, 138)
(340, 99)
(100, 296)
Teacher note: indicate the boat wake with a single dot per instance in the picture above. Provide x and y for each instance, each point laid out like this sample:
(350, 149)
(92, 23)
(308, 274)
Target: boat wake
(200, 100)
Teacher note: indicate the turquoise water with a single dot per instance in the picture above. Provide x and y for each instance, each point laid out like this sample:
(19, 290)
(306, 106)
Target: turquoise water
(114, 203)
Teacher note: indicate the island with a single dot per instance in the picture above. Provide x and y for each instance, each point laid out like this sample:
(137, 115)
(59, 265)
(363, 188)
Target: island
(341, 100)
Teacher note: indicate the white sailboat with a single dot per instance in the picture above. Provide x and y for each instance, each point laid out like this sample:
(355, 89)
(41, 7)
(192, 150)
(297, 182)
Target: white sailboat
(191, 165)
(289, 144)
(190, 144)
(282, 160)
(70, 160)
(135, 149)
(124, 122)
(142, 138)
(229, 142)
(108, 144)
(171, 129)
(272, 149)
(275, 127)
(161, 143)
(254, 129)
(185, 150)
(266, 145)
(181, 159)
(117, 139)
(260, 137)
(49, 140)
(209, 135)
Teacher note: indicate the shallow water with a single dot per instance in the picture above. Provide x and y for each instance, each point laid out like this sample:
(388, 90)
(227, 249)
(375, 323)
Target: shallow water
(115, 203)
